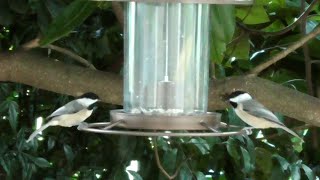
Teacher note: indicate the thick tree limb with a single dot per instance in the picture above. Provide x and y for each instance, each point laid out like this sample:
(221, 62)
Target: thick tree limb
(35, 69)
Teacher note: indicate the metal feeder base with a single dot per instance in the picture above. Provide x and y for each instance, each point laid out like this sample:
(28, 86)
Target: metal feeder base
(165, 122)
(158, 125)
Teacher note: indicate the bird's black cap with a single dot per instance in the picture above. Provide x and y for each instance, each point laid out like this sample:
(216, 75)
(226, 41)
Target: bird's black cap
(235, 94)
(90, 95)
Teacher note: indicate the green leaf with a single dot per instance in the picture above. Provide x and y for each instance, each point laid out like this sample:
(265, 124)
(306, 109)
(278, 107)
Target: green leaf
(41, 162)
(295, 172)
(246, 160)
(293, 3)
(283, 162)
(163, 143)
(68, 152)
(19, 6)
(211, 141)
(255, 14)
(201, 145)
(136, 176)
(4, 165)
(232, 149)
(251, 149)
(200, 176)
(169, 160)
(310, 25)
(121, 174)
(185, 174)
(223, 23)
(71, 17)
(275, 26)
(239, 50)
(6, 17)
(51, 143)
(13, 114)
(308, 172)
(4, 106)
(263, 161)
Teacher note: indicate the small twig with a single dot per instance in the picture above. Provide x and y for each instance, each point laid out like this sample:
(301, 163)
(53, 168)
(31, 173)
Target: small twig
(35, 43)
(118, 11)
(286, 29)
(306, 53)
(284, 53)
(71, 54)
(159, 163)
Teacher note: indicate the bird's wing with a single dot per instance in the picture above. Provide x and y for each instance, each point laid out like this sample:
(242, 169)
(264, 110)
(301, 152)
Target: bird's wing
(70, 108)
(254, 108)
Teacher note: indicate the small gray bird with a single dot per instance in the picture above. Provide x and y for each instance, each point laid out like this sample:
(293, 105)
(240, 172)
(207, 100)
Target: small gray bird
(255, 114)
(71, 114)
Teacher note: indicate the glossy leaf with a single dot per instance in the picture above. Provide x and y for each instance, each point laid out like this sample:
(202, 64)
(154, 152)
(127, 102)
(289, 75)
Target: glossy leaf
(232, 149)
(170, 159)
(283, 162)
(121, 174)
(200, 176)
(263, 161)
(51, 143)
(68, 152)
(201, 145)
(13, 114)
(255, 14)
(71, 17)
(295, 172)
(6, 17)
(246, 160)
(41, 162)
(19, 6)
(238, 50)
(308, 172)
(223, 23)
(185, 174)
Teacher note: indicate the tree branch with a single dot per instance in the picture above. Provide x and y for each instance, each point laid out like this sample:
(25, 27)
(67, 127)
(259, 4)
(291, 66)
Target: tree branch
(284, 53)
(37, 70)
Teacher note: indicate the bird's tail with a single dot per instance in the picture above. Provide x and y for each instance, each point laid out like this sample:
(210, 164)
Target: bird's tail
(33, 135)
(291, 132)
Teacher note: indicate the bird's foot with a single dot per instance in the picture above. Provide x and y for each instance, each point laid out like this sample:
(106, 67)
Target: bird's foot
(82, 125)
(247, 130)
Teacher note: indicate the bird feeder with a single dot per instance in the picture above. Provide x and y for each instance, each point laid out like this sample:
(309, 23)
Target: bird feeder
(166, 70)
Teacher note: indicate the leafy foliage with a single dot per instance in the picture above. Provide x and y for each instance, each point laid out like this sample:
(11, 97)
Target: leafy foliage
(90, 29)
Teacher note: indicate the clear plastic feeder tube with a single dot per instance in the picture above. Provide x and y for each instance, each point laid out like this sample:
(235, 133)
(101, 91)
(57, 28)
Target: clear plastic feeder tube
(166, 58)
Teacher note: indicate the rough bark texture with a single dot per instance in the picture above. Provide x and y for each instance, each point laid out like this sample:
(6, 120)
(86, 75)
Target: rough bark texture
(35, 69)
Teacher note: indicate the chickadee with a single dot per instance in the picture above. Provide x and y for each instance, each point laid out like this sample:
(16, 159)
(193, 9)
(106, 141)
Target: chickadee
(71, 114)
(255, 114)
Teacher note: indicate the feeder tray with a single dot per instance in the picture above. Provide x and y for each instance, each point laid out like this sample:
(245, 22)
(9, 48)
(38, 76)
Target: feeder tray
(162, 125)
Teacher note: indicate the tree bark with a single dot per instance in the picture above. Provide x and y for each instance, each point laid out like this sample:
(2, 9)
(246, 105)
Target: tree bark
(37, 70)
